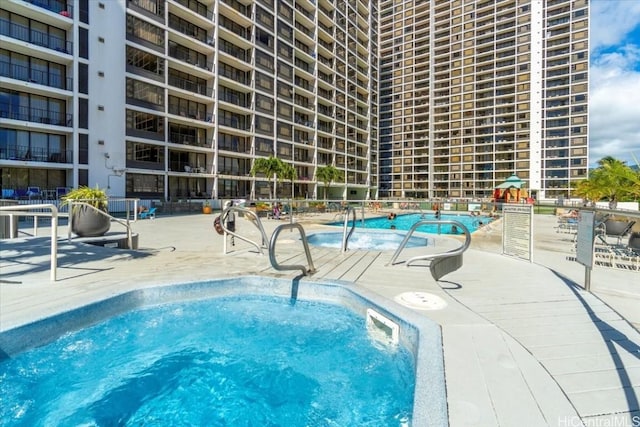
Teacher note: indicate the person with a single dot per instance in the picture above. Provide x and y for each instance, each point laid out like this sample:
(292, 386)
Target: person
(276, 210)
(393, 227)
(437, 214)
(392, 215)
(142, 208)
(231, 221)
(454, 229)
(573, 213)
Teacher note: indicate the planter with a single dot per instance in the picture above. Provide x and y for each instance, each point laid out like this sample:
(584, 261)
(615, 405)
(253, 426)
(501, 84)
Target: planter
(86, 222)
(206, 210)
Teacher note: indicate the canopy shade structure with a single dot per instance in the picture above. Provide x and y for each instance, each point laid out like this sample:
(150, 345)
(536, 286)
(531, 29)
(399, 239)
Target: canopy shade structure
(512, 182)
(510, 191)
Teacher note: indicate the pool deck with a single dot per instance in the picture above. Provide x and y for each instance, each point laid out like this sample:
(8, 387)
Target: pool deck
(524, 344)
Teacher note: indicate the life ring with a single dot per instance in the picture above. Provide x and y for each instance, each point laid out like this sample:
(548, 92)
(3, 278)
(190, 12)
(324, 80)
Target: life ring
(218, 226)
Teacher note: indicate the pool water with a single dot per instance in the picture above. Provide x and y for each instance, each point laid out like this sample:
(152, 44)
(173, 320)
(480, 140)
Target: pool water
(366, 240)
(249, 360)
(405, 222)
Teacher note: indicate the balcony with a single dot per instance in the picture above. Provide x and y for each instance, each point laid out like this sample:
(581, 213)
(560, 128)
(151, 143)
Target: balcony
(191, 86)
(27, 74)
(55, 6)
(37, 115)
(38, 38)
(35, 154)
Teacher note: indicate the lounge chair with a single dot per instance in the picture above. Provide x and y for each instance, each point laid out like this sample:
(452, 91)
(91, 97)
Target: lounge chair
(617, 228)
(150, 214)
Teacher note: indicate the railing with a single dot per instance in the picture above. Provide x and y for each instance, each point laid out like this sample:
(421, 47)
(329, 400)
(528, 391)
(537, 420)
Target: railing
(39, 38)
(346, 235)
(442, 263)
(125, 223)
(255, 220)
(13, 211)
(272, 247)
(39, 115)
(33, 75)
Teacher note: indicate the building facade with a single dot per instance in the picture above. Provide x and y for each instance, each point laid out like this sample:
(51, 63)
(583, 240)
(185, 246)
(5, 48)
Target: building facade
(175, 99)
(473, 91)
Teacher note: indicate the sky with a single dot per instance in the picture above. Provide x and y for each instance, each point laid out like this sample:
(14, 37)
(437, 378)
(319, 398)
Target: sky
(614, 78)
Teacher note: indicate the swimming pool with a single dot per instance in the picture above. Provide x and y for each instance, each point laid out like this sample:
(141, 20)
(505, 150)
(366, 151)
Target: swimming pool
(279, 379)
(405, 222)
(366, 239)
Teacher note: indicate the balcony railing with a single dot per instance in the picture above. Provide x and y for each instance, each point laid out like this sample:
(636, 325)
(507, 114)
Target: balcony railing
(35, 154)
(20, 32)
(26, 74)
(190, 86)
(197, 7)
(234, 4)
(187, 139)
(55, 6)
(38, 115)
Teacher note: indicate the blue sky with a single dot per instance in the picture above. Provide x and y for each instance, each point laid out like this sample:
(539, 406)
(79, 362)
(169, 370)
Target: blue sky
(614, 104)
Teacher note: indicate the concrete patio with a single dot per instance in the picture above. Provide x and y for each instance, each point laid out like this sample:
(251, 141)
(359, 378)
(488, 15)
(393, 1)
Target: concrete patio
(524, 344)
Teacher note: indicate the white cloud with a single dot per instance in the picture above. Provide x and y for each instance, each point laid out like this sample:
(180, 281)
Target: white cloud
(614, 104)
(611, 21)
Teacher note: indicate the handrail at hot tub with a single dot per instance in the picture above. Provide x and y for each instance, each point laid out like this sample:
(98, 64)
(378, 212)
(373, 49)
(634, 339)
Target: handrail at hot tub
(255, 220)
(272, 249)
(444, 262)
(345, 235)
(17, 210)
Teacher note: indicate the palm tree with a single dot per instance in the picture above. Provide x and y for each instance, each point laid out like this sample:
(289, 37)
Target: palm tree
(289, 173)
(270, 167)
(612, 180)
(327, 174)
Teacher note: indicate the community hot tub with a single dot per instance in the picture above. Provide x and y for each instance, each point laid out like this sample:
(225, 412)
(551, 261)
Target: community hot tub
(368, 240)
(60, 370)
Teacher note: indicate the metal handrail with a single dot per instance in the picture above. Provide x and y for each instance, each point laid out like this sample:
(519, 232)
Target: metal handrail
(272, 247)
(12, 211)
(256, 222)
(345, 236)
(450, 253)
(125, 223)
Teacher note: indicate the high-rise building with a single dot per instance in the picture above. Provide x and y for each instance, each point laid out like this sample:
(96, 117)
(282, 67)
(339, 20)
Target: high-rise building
(155, 98)
(176, 98)
(473, 91)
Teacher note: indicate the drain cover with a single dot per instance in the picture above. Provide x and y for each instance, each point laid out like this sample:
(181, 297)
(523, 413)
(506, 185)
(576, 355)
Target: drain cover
(421, 301)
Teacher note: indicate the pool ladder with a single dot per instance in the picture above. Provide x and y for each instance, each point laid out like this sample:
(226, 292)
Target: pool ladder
(346, 235)
(306, 270)
(255, 220)
(441, 263)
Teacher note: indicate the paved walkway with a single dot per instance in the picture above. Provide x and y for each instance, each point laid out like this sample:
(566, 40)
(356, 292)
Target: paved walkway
(524, 345)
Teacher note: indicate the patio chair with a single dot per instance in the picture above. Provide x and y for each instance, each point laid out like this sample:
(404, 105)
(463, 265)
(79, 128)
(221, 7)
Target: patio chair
(61, 192)
(8, 193)
(634, 243)
(21, 194)
(150, 214)
(33, 193)
(617, 228)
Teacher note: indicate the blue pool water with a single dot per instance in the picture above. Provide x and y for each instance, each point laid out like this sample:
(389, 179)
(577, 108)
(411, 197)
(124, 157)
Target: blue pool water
(234, 360)
(369, 240)
(405, 222)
